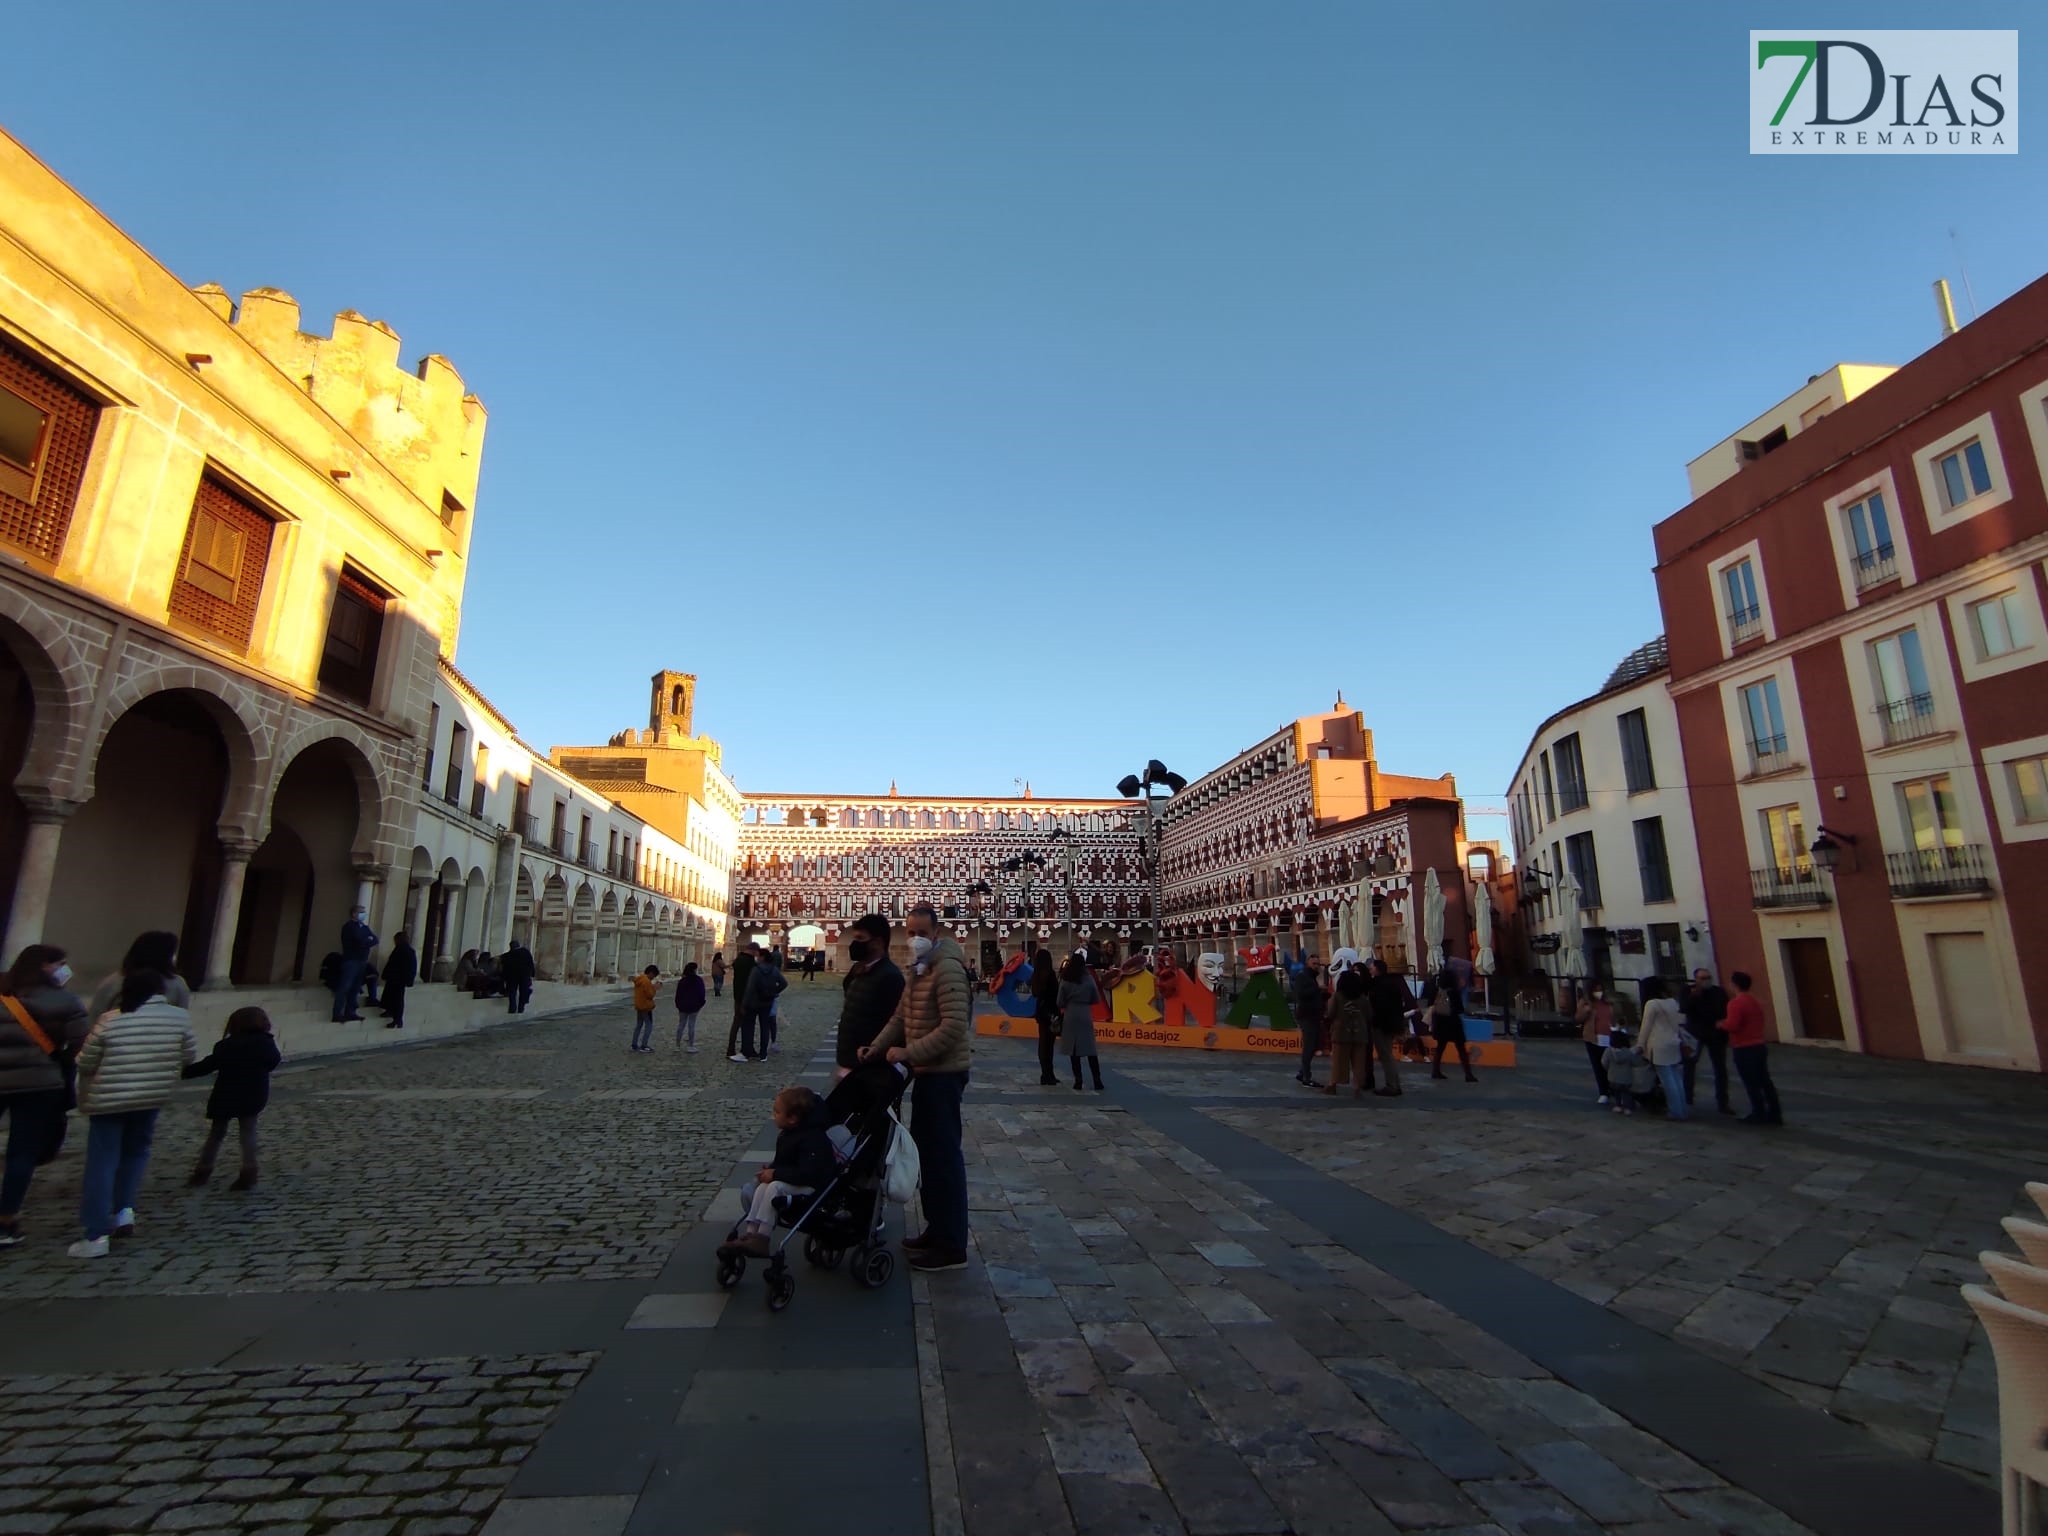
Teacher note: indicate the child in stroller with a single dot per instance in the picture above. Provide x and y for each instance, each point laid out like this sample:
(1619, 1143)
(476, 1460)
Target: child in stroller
(844, 1209)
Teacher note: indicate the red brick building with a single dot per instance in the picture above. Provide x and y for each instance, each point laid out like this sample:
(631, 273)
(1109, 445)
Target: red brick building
(1855, 603)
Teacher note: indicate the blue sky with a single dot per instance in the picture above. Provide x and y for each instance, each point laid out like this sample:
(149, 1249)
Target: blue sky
(978, 393)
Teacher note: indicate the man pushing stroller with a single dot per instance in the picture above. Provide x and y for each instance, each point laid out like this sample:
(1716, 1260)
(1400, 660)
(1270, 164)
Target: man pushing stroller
(803, 1165)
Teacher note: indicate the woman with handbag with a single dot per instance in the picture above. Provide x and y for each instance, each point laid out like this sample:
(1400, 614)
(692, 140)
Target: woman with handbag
(1045, 1007)
(42, 1025)
(1077, 998)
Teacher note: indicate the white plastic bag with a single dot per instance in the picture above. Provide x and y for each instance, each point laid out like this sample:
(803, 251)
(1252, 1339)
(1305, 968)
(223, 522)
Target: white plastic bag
(901, 1170)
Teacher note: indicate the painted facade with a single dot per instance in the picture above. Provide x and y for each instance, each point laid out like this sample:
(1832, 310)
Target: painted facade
(231, 556)
(1600, 799)
(1856, 628)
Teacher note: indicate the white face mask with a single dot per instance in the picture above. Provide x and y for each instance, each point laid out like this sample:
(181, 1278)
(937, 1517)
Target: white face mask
(920, 946)
(61, 976)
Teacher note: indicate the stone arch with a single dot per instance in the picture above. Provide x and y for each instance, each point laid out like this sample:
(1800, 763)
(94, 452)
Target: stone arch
(233, 710)
(524, 904)
(607, 962)
(56, 678)
(551, 950)
(373, 789)
(582, 956)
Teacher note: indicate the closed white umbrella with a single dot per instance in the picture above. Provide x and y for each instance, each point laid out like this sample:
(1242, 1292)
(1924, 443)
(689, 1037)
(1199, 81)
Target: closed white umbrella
(1433, 920)
(1483, 916)
(1572, 938)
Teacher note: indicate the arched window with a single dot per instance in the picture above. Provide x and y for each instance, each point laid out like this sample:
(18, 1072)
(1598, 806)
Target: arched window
(675, 700)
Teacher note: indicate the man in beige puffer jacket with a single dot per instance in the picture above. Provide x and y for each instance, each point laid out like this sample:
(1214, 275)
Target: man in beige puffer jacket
(127, 1069)
(933, 1031)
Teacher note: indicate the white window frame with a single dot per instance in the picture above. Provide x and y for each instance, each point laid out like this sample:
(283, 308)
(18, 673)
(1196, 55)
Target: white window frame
(1754, 554)
(2034, 409)
(2024, 585)
(2004, 804)
(1837, 508)
(1939, 515)
(1737, 722)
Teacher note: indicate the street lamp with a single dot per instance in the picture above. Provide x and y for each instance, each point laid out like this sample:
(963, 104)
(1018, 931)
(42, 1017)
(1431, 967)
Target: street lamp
(1130, 786)
(1023, 864)
(977, 894)
(1827, 849)
(1063, 852)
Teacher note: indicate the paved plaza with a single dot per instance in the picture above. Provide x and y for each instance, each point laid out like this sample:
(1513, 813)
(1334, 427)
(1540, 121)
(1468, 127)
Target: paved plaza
(475, 1293)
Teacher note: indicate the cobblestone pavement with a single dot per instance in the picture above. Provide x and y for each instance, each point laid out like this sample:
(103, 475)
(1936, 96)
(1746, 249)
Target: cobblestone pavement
(424, 1446)
(536, 1162)
(1823, 1259)
(534, 1152)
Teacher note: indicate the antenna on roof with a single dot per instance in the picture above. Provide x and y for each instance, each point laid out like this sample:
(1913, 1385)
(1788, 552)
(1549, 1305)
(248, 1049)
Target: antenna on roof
(1963, 266)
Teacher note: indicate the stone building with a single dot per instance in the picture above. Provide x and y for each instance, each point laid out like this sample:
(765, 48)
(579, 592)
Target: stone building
(1304, 839)
(231, 557)
(1055, 870)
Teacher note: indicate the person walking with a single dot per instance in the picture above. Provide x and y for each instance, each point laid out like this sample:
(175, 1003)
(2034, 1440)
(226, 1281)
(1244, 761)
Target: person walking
(742, 972)
(357, 940)
(155, 951)
(1596, 1025)
(869, 992)
(401, 970)
(1351, 1034)
(765, 982)
(1045, 1009)
(515, 970)
(1076, 999)
(1705, 1006)
(1444, 1008)
(243, 1061)
(1665, 1043)
(718, 974)
(1305, 1001)
(1389, 1003)
(778, 969)
(644, 992)
(932, 1033)
(1745, 1027)
(689, 1003)
(127, 1069)
(42, 1025)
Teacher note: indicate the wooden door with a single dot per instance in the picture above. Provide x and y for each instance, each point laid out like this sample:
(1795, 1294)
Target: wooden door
(1813, 988)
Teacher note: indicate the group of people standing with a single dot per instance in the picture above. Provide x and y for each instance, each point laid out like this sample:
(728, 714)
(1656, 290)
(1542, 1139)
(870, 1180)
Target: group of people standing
(1357, 1013)
(116, 1059)
(1063, 999)
(1663, 1057)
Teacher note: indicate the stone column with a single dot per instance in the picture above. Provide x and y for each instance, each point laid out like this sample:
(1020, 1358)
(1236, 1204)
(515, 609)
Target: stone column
(46, 817)
(444, 956)
(497, 935)
(414, 917)
(227, 916)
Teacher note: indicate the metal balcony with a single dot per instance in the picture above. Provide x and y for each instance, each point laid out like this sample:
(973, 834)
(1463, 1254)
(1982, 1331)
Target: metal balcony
(1875, 567)
(1957, 870)
(1745, 625)
(1908, 719)
(1798, 886)
(1769, 754)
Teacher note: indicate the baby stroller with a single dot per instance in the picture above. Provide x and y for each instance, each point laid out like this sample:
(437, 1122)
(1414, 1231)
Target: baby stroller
(848, 1215)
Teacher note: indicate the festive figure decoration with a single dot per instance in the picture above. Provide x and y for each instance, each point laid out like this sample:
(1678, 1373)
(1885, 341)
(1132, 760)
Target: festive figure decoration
(1212, 968)
(1183, 1000)
(1133, 995)
(1263, 997)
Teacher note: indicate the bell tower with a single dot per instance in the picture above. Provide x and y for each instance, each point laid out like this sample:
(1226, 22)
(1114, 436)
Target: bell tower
(674, 704)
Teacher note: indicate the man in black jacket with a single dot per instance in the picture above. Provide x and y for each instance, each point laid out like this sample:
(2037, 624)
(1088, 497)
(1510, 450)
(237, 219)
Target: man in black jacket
(515, 968)
(1705, 1006)
(401, 970)
(742, 972)
(872, 989)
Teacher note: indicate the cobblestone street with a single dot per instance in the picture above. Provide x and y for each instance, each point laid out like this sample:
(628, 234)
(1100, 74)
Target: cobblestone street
(475, 1293)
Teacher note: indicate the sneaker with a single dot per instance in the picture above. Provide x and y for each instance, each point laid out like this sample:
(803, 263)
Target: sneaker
(931, 1260)
(775, 1048)
(736, 1056)
(690, 1050)
(124, 1222)
(88, 1248)
(9, 1236)
(1602, 1099)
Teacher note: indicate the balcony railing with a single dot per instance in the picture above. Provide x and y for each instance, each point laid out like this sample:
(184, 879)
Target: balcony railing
(1798, 886)
(1768, 754)
(1958, 870)
(1908, 719)
(586, 855)
(1745, 625)
(529, 830)
(1875, 567)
